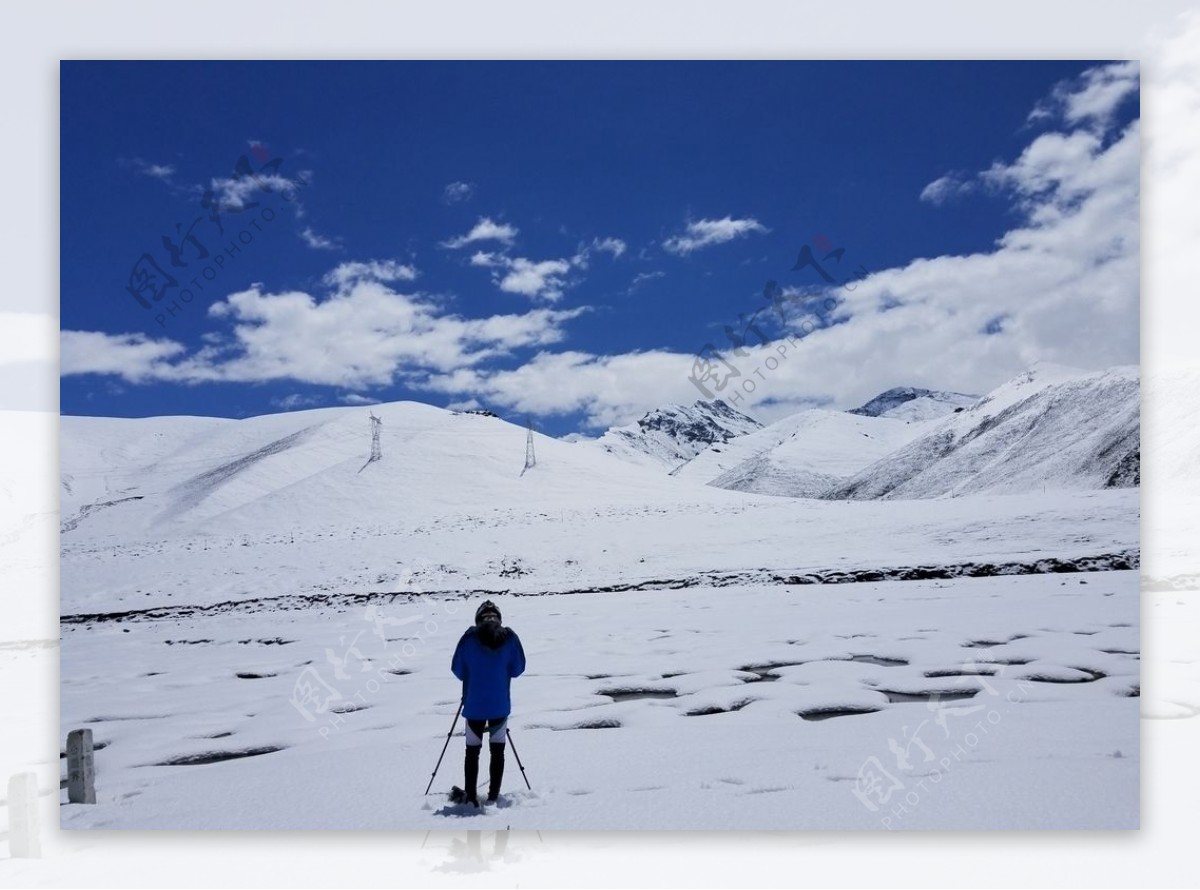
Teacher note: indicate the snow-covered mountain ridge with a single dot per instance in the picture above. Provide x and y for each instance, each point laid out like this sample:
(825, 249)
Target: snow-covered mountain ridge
(672, 434)
(913, 403)
(1049, 428)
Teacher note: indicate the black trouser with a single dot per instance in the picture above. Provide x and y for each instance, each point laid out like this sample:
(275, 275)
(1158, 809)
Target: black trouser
(497, 730)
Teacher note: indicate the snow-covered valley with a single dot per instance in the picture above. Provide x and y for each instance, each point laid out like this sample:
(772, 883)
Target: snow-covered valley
(257, 622)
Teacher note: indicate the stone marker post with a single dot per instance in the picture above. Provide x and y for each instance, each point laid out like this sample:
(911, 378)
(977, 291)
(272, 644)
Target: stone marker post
(81, 769)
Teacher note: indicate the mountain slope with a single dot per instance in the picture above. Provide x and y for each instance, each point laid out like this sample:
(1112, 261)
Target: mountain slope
(668, 436)
(286, 506)
(930, 407)
(1049, 428)
(161, 476)
(913, 403)
(801, 455)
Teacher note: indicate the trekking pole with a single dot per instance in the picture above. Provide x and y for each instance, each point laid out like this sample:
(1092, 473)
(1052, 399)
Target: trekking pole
(518, 756)
(444, 747)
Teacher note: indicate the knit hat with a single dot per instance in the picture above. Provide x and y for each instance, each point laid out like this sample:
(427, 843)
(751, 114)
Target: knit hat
(487, 608)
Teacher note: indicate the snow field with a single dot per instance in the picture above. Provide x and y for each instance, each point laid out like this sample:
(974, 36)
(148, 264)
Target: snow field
(655, 709)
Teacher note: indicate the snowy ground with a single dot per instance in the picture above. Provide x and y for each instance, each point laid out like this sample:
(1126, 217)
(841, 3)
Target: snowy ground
(718, 731)
(257, 627)
(551, 547)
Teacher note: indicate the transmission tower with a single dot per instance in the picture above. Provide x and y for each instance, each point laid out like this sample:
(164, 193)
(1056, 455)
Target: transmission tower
(530, 460)
(376, 451)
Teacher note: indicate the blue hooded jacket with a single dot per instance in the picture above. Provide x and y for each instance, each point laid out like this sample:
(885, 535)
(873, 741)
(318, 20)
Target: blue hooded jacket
(486, 672)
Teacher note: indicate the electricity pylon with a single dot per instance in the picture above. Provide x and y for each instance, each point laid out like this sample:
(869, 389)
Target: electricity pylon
(376, 450)
(530, 459)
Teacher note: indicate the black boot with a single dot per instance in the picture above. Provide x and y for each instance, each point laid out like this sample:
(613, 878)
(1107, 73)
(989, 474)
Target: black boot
(495, 770)
(471, 770)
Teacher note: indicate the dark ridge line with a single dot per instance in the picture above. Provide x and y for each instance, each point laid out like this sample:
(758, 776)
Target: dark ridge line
(257, 604)
(69, 525)
(1124, 560)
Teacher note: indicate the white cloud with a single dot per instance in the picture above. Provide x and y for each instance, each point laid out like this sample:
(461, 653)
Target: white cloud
(707, 232)
(1065, 280)
(134, 357)
(238, 192)
(1093, 97)
(484, 230)
(615, 246)
(610, 390)
(159, 171)
(235, 193)
(375, 270)
(486, 258)
(318, 242)
(538, 327)
(457, 192)
(1057, 163)
(946, 188)
(643, 277)
(1054, 163)
(583, 254)
(607, 389)
(366, 334)
(293, 401)
(164, 172)
(354, 398)
(538, 280)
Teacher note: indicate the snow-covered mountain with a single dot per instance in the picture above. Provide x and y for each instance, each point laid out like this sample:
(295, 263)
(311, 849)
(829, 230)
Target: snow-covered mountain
(1048, 428)
(152, 478)
(925, 408)
(801, 455)
(161, 475)
(914, 404)
(249, 601)
(1082, 432)
(668, 436)
(810, 452)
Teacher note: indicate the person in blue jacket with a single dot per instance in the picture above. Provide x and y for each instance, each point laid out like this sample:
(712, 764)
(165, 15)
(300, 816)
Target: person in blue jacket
(486, 659)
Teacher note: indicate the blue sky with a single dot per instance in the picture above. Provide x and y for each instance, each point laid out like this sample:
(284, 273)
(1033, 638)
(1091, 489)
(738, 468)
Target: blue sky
(562, 239)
